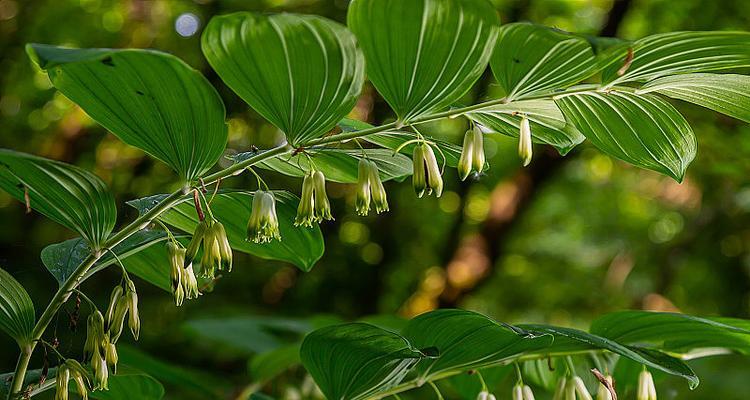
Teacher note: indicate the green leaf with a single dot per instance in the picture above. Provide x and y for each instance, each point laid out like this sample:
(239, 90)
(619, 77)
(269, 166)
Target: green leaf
(532, 59)
(17, 316)
(249, 334)
(197, 383)
(357, 360)
(270, 364)
(143, 254)
(573, 340)
(423, 55)
(679, 53)
(338, 165)
(548, 125)
(643, 130)
(395, 139)
(466, 340)
(70, 196)
(725, 93)
(302, 247)
(677, 333)
(130, 384)
(150, 100)
(303, 73)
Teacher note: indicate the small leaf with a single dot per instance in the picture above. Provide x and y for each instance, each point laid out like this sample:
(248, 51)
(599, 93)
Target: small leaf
(70, 196)
(548, 125)
(531, 59)
(301, 247)
(17, 316)
(303, 73)
(643, 130)
(150, 100)
(678, 53)
(357, 360)
(728, 94)
(573, 340)
(423, 55)
(338, 165)
(466, 340)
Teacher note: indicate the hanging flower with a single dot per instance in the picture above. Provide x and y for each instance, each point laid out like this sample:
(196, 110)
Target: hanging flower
(472, 154)
(314, 205)
(189, 283)
(484, 395)
(322, 206)
(110, 356)
(646, 387)
(263, 225)
(79, 375)
(114, 298)
(370, 187)
(61, 386)
(177, 262)
(603, 393)
(134, 320)
(101, 374)
(94, 335)
(217, 253)
(379, 195)
(575, 389)
(524, 142)
(427, 177)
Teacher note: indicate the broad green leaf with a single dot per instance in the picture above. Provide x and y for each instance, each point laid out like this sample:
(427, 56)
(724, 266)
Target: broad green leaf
(423, 55)
(465, 340)
(678, 333)
(303, 73)
(17, 316)
(679, 53)
(130, 384)
(725, 93)
(531, 59)
(548, 125)
(266, 366)
(394, 139)
(198, 383)
(643, 130)
(150, 100)
(302, 247)
(568, 340)
(249, 334)
(143, 254)
(71, 196)
(357, 360)
(338, 165)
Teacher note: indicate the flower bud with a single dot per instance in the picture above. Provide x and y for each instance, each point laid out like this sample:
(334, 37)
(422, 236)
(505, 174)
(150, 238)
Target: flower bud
(322, 206)
(483, 395)
(94, 334)
(527, 393)
(63, 375)
(478, 159)
(646, 388)
(80, 376)
(603, 393)
(524, 142)
(225, 250)
(305, 213)
(113, 299)
(101, 375)
(518, 392)
(580, 388)
(466, 161)
(263, 225)
(363, 187)
(189, 283)
(177, 262)
(110, 356)
(195, 242)
(118, 320)
(211, 260)
(134, 322)
(427, 177)
(560, 390)
(379, 195)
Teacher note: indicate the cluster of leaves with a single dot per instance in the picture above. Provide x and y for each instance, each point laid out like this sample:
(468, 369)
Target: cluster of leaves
(304, 74)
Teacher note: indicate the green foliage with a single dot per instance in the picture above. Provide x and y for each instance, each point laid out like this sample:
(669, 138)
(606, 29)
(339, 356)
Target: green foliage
(149, 99)
(303, 73)
(16, 309)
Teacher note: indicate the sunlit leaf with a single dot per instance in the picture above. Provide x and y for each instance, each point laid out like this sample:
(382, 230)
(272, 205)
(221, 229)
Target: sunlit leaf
(71, 196)
(17, 316)
(357, 360)
(643, 130)
(303, 73)
(150, 100)
(531, 59)
(725, 93)
(302, 247)
(465, 340)
(423, 55)
(548, 125)
(678, 53)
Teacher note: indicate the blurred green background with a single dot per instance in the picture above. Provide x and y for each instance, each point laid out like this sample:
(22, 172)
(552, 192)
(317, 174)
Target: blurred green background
(561, 241)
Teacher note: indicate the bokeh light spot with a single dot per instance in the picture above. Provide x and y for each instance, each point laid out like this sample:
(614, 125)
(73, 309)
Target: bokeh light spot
(187, 24)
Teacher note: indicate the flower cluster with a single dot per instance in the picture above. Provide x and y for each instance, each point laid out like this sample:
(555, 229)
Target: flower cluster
(263, 225)
(184, 283)
(427, 176)
(472, 154)
(522, 392)
(370, 187)
(71, 369)
(217, 253)
(314, 205)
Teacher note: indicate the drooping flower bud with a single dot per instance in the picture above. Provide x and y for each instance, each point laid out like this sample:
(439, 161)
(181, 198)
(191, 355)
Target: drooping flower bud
(305, 211)
(195, 242)
(379, 195)
(63, 376)
(527, 393)
(322, 206)
(263, 225)
(80, 376)
(427, 177)
(177, 262)
(560, 390)
(225, 250)
(113, 299)
(524, 142)
(479, 158)
(94, 334)
(472, 154)
(101, 374)
(603, 393)
(518, 392)
(576, 389)
(110, 356)
(134, 320)
(118, 320)
(646, 388)
(189, 283)
(363, 187)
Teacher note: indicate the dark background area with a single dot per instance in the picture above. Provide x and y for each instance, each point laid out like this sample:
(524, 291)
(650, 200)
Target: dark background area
(561, 241)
